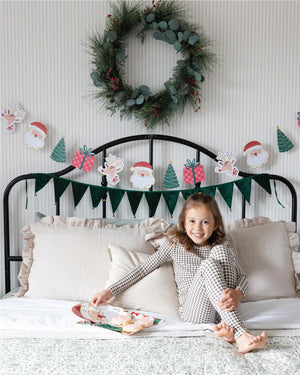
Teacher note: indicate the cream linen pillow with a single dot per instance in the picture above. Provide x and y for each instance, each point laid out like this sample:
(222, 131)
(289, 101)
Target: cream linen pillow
(296, 260)
(66, 258)
(155, 292)
(264, 250)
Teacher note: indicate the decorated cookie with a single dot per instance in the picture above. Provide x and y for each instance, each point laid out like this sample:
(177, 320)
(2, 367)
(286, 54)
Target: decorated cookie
(145, 321)
(133, 327)
(121, 320)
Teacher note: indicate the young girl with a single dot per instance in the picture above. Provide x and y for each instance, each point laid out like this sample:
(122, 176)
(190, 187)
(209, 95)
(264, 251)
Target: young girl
(209, 280)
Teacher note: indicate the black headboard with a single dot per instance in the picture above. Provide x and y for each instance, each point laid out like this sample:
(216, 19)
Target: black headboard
(148, 142)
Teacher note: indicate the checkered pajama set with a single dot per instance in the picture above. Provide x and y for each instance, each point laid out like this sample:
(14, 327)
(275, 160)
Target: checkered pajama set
(201, 278)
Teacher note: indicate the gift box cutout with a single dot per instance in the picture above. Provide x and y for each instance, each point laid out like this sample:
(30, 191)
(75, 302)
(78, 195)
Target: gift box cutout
(193, 172)
(84, 159)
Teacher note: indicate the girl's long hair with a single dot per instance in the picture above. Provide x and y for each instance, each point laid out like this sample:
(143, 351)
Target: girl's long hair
(178, 232)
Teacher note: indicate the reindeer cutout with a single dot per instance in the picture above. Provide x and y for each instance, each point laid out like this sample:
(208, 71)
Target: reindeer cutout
(112, 167)
(226, 161)
(14, 115)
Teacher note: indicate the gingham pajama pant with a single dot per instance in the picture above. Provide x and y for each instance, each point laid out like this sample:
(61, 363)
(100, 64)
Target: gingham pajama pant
(213, 276)
(201, 278)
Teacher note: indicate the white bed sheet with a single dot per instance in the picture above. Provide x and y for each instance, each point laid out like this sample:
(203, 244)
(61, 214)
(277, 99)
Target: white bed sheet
(33, 317)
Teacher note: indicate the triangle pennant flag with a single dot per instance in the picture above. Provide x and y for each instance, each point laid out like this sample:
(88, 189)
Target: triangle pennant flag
(78, 191)
(187, 193)
(97, 193)
(152, 198)
(244, 186)
(115, 196)
(226, 191)
(60, 185)
(264, 181)
(41, 180)
(171, 200)
(211, 190)
(134, 198)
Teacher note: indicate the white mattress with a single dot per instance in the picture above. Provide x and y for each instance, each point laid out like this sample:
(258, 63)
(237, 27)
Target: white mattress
(33, 317)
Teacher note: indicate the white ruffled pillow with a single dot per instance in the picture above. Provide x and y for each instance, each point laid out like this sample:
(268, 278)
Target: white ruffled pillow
(267, 252)
(66, 258)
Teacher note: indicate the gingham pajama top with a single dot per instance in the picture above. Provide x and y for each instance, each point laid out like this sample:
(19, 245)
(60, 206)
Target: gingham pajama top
(185, 266)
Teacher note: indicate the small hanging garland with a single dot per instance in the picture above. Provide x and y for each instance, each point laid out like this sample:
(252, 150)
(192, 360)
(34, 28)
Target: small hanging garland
(168, 24)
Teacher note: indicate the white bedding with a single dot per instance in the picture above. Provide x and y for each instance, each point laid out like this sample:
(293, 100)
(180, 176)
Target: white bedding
(46, 318)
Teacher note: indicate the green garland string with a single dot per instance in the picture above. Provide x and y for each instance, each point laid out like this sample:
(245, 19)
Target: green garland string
(152, 197)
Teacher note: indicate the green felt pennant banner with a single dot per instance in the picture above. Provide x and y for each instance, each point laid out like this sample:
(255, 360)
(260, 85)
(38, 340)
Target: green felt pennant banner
(187, 193)
(152, 197)
(78, 191)
(264, 181)
(171, 200)
(211, 190)
(41, 180)
(244, 186)
(97, 193)
(60, 185)
(226, 191)
(134, 198)
(115, 196)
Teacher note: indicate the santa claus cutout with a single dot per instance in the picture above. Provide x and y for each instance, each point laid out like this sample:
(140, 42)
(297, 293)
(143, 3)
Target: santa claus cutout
(142, 177)
(256, 155)
(34, 137)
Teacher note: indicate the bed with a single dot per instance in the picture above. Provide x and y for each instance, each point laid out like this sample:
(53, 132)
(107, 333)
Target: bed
(66, 259)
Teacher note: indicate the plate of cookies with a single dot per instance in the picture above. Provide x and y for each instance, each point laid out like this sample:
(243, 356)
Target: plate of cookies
(114, 318)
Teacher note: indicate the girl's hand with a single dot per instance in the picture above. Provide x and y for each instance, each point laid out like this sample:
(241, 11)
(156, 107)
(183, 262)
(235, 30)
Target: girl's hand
(101, 297)
(230, 299)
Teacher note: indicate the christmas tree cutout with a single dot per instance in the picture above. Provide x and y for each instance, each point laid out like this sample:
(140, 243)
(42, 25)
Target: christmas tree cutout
(59, 151)
(284, 143)
(170, 179)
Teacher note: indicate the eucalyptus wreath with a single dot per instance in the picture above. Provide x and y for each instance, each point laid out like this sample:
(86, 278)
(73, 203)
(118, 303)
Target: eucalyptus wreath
(168, 23)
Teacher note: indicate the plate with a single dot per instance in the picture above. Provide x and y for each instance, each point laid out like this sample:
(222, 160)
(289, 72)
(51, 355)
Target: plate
(102, 315)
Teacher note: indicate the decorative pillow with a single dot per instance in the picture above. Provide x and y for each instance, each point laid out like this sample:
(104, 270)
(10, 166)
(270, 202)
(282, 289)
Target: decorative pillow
(38, 216)
(296, 260)
(155, 292)
(66, 258)
(264, 250)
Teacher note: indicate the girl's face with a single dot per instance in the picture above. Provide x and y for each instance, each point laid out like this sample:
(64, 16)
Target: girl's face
(199, 224)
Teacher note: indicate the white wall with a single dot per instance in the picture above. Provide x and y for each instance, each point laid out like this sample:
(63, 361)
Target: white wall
(254, 88)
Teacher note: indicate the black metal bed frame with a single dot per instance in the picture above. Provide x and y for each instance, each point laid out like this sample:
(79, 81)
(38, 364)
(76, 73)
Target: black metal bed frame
(146, 137)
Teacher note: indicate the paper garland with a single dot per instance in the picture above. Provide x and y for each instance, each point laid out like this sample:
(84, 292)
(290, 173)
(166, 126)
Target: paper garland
(283, 142)
(84, 159)
(170, 179)
(142, 175)
(152, 197)
(226, 161)
(256, 155)
(14, 115)
(34, 136)
(193, 172)
(59, 152)
(112, 166)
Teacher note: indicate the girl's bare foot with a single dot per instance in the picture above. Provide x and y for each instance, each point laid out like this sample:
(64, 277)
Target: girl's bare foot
(223, 330)
(247, 342)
